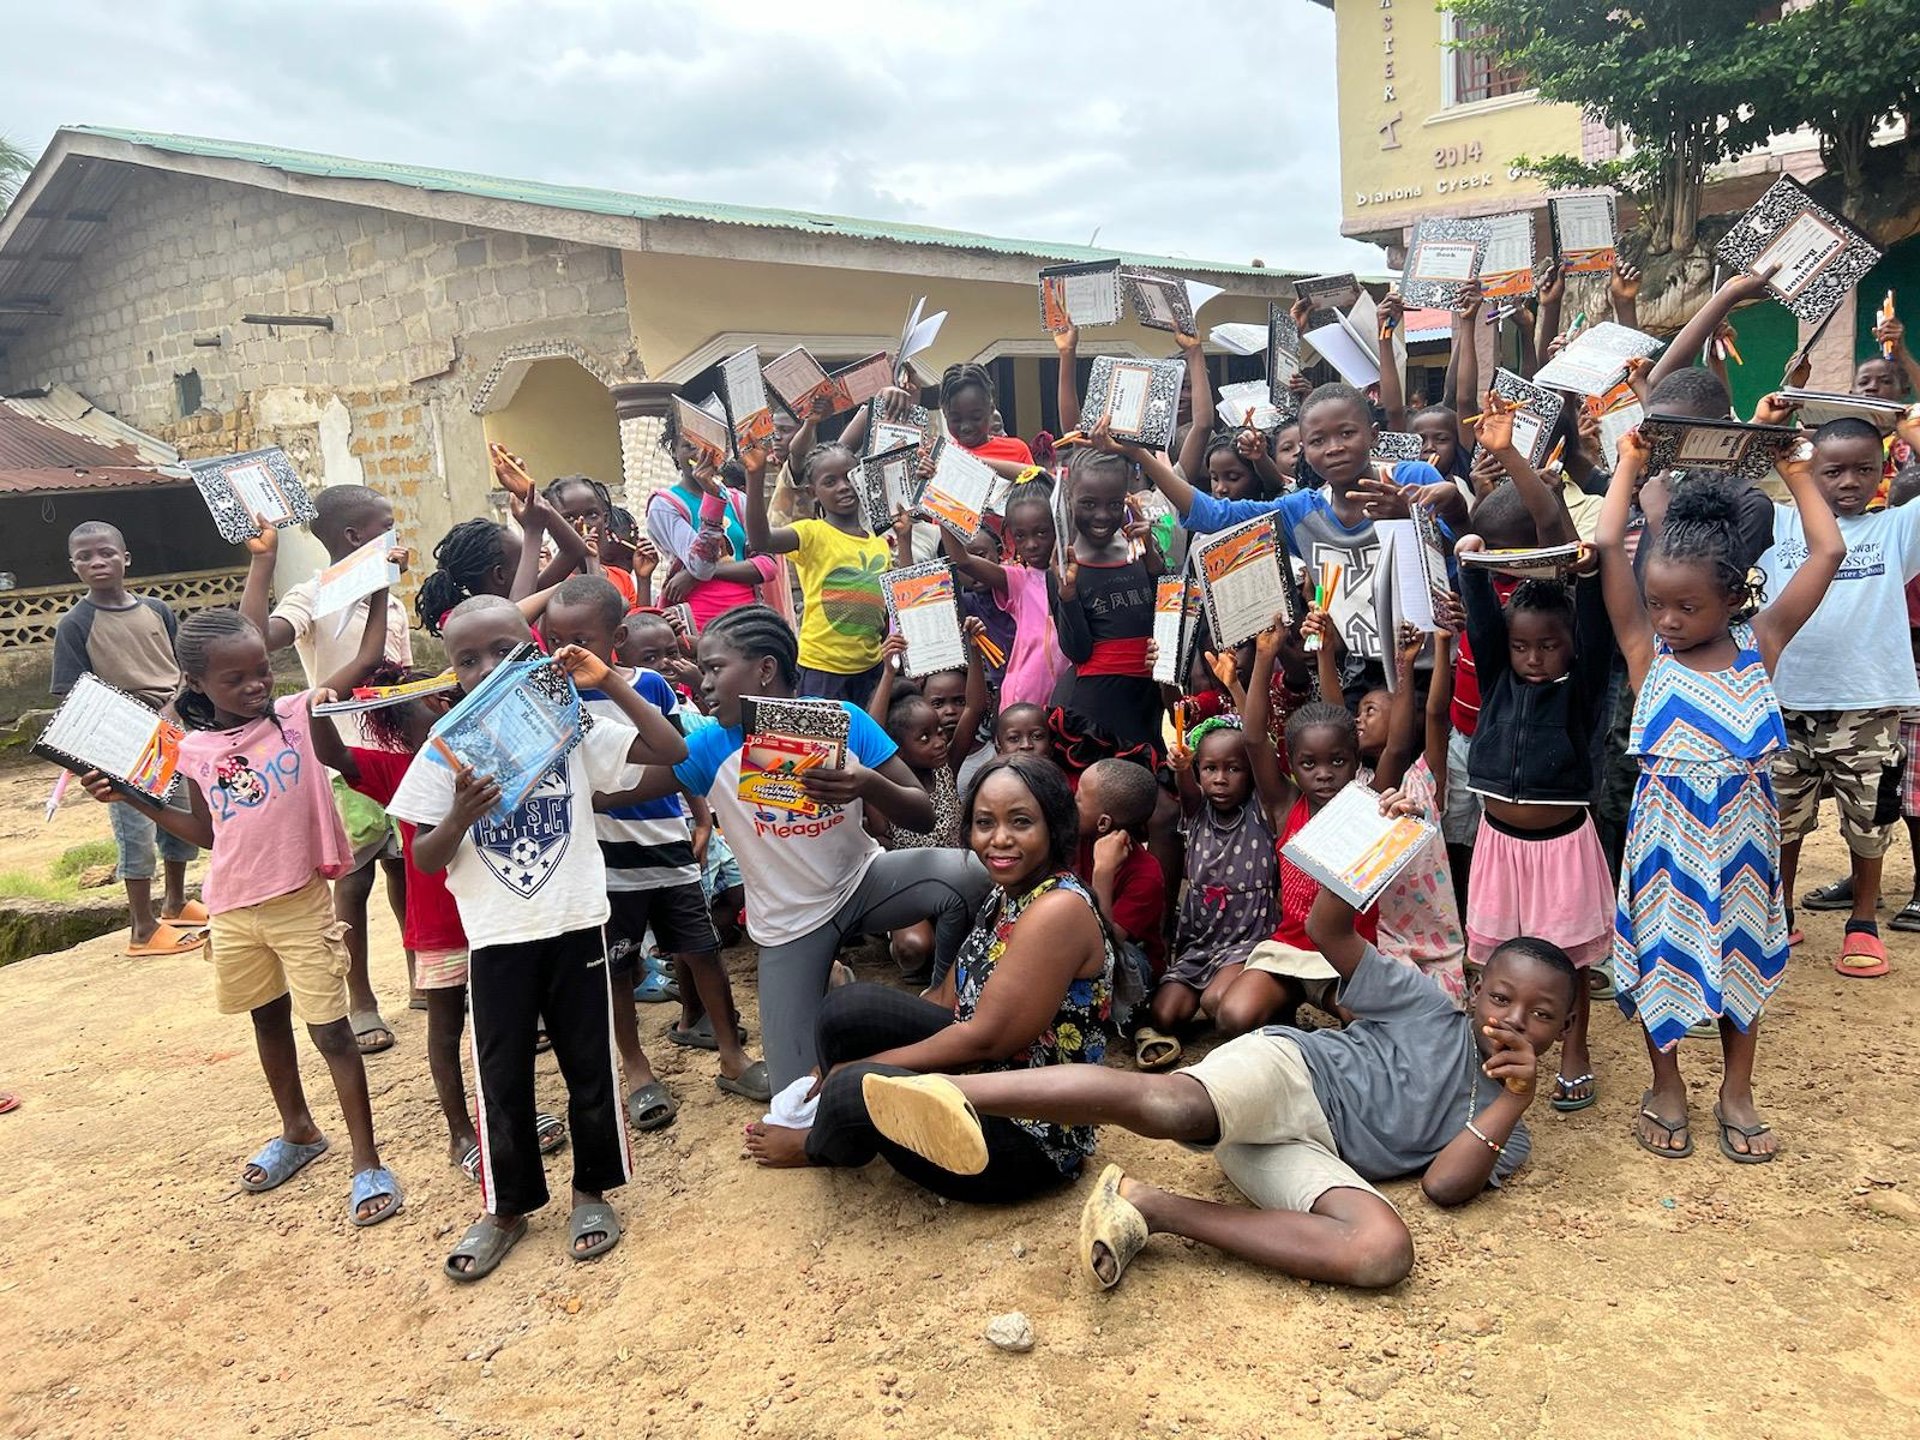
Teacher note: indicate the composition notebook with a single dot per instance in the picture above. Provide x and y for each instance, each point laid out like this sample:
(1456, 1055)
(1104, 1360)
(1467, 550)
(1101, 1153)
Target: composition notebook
(923, 601)
(1541, 562)
(1247, 580)
(1354, 850)
(241, 490)
(1748, 452)
(783, 739)
(1810, 256)
(1140, 398)
(99, 727)
(378, 697)
(513, 727)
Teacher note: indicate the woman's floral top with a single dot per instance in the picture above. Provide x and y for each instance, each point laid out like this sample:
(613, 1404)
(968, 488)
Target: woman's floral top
(1082, 1027)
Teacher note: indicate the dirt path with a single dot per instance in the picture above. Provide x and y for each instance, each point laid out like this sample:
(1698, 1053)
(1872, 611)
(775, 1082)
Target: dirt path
(1606, 1293)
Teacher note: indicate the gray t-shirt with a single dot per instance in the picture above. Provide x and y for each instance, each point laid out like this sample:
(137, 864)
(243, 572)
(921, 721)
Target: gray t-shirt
(1395, 1084)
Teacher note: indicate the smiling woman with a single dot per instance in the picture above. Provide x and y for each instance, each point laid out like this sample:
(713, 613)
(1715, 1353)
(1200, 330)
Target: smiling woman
(1032, 987)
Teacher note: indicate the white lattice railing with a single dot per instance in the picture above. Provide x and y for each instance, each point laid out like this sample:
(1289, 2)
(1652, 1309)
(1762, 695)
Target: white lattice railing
(29, 617)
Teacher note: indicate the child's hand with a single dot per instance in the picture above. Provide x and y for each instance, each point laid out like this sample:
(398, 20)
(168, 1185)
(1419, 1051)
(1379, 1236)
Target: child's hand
(682, 672)
(896, 402)
(753, 460)
(101, 788)
(1222, 666)
(1588, 428)
(400, 556)
(646, 559)
(473, 796)
(1907, 427)
(1319, 622)
(1067, 340)
(894, 648)
(1398, 805)
(1775, 409)
(1447, 610)
(1412, 641)
(974, 629)
(1110, 852)
(1554, 287)
(678, 587)
(588, 670)
(1250, 445)
(1632, 448)
(1179, 758)
(1187, 343)
(1299, 311)
(1153, 655)
(835, 787)
(1624, 286)
(1513, 1064)
(1069, 575)
(1638, 368)
(1797, 463)
(510, 470)
(901, 536)
(1100, 437)
(1299, 386)
(1392, 312)
(1382, 499)
(266, 543)
(1891, 332)
(1495, 426)
(1472, 297)
(1266, 645)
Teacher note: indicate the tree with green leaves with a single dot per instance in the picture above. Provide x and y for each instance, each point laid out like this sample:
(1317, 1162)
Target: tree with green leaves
(14, 165)
(1682, 77)
(1844, 69)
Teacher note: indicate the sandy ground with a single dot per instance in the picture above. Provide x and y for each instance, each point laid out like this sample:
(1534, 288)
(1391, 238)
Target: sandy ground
(1605, 1293)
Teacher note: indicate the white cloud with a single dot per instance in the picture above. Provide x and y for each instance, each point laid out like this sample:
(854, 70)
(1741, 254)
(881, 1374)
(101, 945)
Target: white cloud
(1201, 130)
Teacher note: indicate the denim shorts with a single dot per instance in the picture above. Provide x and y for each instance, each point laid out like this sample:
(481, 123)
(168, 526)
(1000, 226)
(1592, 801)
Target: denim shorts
(134, 837)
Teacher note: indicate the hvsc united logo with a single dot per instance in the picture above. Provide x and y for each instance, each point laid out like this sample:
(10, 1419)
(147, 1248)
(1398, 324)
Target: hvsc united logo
(525, 848)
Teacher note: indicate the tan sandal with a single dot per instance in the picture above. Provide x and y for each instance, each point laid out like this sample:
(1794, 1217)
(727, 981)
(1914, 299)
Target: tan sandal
(929, 1116)
(1147, 1041)
(1110, 1223)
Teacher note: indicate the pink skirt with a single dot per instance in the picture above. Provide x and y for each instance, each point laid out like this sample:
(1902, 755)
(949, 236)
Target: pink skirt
(1553, 887)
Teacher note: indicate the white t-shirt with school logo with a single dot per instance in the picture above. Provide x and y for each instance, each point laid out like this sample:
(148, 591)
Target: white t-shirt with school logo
(1854, 654)
(538, 872)
(797, 870)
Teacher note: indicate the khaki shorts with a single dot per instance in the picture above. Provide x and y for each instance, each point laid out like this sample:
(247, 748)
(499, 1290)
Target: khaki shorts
(1274, 1142)
(289, 944)
(440, 969)
(1856, 753)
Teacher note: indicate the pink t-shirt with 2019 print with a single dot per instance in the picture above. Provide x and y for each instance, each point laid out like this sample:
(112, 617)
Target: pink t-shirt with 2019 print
(271, 800)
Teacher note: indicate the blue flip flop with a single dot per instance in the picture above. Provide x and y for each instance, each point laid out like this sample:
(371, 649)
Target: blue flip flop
(656, 989)
(658, 963)
(371, 1185)
(280, 1160)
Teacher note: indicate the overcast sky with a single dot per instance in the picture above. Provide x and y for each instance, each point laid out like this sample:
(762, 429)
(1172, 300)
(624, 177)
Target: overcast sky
(1202, 129)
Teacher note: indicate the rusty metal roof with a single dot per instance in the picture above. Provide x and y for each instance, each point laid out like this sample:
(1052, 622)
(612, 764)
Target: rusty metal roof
(59, 442)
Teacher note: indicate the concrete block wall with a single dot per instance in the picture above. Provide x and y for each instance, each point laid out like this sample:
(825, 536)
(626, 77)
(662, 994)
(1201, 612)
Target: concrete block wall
(420, 308)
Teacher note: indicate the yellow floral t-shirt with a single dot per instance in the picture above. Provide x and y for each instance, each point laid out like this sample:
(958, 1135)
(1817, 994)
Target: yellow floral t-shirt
(845, 619)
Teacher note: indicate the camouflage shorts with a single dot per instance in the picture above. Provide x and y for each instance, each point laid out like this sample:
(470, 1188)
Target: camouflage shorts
(1854, 756)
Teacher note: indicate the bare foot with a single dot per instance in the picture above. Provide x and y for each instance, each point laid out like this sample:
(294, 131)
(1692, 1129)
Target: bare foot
(778, 1147)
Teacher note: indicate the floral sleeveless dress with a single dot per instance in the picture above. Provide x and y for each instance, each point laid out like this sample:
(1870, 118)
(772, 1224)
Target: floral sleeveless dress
(1081, 1028)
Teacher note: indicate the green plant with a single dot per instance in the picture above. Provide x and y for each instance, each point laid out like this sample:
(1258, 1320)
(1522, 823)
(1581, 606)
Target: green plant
(14, 164)
(80, 857)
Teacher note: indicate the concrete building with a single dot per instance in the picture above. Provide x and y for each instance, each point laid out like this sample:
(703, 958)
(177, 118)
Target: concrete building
(383, 322)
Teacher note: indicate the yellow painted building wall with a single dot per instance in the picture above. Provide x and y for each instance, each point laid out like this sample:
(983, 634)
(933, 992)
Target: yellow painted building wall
(1403, 152)
(678, 303)
(561, 422)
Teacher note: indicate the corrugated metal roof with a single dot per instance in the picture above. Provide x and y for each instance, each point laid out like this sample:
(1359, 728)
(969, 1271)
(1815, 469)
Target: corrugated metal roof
(60, 442)
(639, 207)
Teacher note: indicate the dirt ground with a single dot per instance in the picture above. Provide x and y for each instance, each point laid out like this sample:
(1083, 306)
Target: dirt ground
(1605, 1293)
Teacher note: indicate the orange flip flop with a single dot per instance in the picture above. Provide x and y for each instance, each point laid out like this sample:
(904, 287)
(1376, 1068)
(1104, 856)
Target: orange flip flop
(193, 913)
(1862, 957)
(170, 938)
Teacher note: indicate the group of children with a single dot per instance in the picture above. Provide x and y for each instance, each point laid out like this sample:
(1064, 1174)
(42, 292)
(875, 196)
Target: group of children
(1733, 657)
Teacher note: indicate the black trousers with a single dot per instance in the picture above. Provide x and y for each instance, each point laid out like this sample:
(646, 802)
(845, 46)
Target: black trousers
(862, 1020)
(564, 980)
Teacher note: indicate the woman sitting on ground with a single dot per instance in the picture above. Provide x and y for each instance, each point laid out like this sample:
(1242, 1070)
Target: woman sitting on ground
(1032, 987)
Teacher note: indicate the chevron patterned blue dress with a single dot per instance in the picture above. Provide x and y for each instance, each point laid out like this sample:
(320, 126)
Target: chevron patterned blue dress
(1700, 930)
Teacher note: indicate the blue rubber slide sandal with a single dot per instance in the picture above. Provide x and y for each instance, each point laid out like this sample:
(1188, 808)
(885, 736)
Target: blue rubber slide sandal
(279, 1160)
(375, 1184)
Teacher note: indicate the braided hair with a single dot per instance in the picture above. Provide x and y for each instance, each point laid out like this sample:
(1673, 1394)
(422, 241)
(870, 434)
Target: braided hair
(956, 380)
(464, 556)
(1321, 715)
(386, 725)
(600, 492)
(758, 632)
(803, 467)
(1544, 597)
(1700, 530)
(198, 634)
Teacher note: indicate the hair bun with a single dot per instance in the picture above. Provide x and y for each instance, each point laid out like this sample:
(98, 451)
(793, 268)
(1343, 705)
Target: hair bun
(1702, 499)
